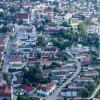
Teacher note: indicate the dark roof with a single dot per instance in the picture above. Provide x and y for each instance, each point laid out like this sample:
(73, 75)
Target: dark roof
(27, 88)
(21, 16)
(5, 90)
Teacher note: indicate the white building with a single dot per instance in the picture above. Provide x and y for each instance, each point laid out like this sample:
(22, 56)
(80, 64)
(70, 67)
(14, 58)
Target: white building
(46, 89)
(27, 35)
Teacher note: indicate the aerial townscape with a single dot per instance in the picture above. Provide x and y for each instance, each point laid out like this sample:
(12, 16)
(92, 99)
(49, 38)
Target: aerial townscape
(49, 49)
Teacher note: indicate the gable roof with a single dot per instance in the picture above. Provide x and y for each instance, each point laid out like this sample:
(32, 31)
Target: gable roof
(27, 88)
(5, 90)
(21, 16)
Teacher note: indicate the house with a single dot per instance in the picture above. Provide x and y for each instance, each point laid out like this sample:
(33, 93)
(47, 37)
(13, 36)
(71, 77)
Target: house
(17, 83)
(63, 71)
(84, 79)
(86, 68)
(74, 22)
(70, 63)
(22, 16)
(16, 79)
(91, 73)
(93, 28)
(85, 58)
(46, 89)
(27, 4)
(51, 50)
(59, 74)
(28, 90)
(27, 35)
(15, 60)
(3, 43)
(80, 48)
(5, 92)
(50, 60)
(46, 62)
(68, 15)
(32, 61)
(39, 98)
(75, 86)
(68, 93)
(45, 74)
(51, 28)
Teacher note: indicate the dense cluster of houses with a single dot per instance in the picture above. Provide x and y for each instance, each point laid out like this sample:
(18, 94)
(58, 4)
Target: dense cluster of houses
(19, 49)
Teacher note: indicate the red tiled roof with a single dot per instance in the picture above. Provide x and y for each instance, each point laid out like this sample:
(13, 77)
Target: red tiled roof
(85, 79)
(15, 59)
(50, 49)
(46, 87)
(27, 4)
(27, 88)
(2, 42)
(5, 90)
(51, 31)
(32, 60)
(90, 72)
(21, 16)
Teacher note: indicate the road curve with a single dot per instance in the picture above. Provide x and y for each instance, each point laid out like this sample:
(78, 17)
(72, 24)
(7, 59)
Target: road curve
(94, 93)
(54, 95)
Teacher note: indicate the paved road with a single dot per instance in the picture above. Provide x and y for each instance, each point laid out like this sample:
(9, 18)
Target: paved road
(55, 94)
(6, 58)
(94, 93)
(5, 66)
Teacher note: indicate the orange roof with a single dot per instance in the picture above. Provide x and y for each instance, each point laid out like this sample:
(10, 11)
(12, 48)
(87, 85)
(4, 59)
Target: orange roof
(15, 58)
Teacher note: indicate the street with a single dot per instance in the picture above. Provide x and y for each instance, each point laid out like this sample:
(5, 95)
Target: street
(55, 94)
(5, 66)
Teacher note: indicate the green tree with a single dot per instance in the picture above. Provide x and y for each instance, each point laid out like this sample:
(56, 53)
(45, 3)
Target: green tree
(41, 28)
(65, 24)
(63, 32)
(82, 28)
(1, 14)
(83, 93)
(25, 98)
(64, 58)
(38, 54)
(33, 76)
(41, 41)
(12, 10)
(20, 22)
(4, 29)
(33, 0)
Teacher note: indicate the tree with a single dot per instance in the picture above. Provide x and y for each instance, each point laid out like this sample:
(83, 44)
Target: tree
(25, 98)
(4, 29)
(93, 40)
(41, 41)
(99, 19)
(47, 21)
(41, 28)
(82, 28)
(33, 0)
(20, 22)
(12, 10)
(63, 32)
(86, 21)
(65, 24)
(83, 93)
(60, 43)
(54, 65)
(64, 58)
(56, 9)
(1, 14)
(33, 75)
(90, 87)
(38, 54)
